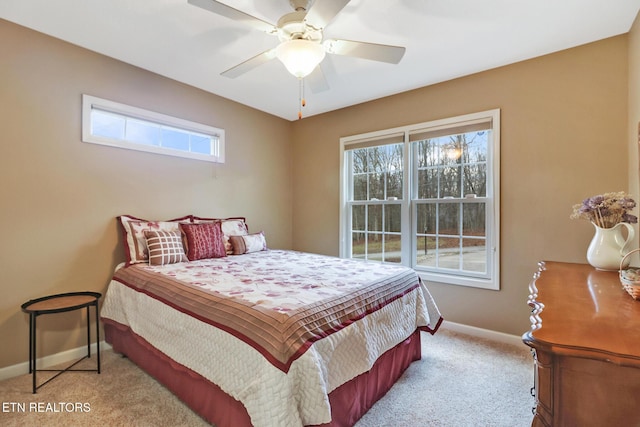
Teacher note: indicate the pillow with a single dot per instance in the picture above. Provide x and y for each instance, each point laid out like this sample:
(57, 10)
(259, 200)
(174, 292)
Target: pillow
(135, 242)
(235, 226)
(165, 247)
(248, 243)
(203, 240)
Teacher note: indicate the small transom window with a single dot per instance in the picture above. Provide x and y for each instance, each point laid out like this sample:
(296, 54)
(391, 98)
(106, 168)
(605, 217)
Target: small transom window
(110, 123)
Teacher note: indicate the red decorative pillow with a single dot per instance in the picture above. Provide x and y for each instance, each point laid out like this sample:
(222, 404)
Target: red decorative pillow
(234, 226)
(204, 240)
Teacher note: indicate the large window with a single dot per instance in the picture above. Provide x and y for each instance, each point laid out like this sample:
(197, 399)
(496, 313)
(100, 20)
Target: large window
(426, 196)
(119, 125)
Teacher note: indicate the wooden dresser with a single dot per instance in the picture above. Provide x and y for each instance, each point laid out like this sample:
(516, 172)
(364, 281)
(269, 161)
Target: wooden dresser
(585, 336)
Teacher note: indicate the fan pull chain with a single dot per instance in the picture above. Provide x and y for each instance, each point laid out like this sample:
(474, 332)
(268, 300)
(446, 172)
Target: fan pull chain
(302, 102)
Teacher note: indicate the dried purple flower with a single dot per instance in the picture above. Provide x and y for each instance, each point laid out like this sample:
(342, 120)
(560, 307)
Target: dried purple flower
(606, 210)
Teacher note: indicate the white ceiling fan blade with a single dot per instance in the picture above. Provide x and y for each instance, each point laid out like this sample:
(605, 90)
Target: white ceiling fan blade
(316, 80)
(250, 64)
(373, 51)
(323, 11)
(234, 14)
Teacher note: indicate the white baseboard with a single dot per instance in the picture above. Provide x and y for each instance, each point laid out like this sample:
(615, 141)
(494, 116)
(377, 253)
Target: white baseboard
(483, 333)
(52, 360)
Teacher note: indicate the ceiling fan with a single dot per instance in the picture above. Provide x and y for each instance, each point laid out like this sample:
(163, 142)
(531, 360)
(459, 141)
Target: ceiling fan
(302, 45)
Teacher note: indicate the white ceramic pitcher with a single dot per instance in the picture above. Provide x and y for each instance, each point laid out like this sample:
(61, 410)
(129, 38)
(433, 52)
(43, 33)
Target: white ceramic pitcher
(609, 246)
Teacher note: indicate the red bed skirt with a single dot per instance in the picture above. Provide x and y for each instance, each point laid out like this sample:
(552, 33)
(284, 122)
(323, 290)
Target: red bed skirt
(349, 402)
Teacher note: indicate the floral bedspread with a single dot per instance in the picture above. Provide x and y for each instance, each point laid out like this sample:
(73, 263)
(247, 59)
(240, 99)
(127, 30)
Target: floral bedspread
(287, 328)
(282, 281)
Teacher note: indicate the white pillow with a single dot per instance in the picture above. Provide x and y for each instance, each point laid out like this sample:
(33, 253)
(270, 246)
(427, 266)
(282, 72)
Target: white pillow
(248, 243)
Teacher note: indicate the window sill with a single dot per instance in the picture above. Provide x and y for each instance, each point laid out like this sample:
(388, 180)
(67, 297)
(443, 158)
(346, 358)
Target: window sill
(447, 279)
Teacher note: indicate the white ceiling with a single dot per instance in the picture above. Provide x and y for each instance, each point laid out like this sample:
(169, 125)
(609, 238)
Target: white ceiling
(444, 39)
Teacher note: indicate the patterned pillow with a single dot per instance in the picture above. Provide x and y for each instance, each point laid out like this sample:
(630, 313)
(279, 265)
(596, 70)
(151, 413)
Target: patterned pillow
(248, 243)
(204, 240)
(165, 247)
(135, 242)
(235, 226)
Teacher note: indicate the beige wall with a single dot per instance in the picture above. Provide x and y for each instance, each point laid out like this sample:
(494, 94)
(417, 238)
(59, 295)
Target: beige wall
(60, 196)
(564, 137)
(634, 112)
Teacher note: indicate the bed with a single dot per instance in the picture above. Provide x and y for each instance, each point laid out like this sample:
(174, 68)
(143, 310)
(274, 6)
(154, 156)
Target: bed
(265, 337)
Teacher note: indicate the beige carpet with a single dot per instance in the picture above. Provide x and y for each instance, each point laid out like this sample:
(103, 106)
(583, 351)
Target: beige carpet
(460, 381)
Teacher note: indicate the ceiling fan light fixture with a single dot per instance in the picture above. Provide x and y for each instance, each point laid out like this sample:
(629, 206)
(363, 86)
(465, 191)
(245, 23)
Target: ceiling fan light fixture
(300, 56)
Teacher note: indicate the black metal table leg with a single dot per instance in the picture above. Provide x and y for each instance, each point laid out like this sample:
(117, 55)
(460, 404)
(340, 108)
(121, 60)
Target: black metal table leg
(30, 342)
(88, 332)
(97, 335)
(33, 350)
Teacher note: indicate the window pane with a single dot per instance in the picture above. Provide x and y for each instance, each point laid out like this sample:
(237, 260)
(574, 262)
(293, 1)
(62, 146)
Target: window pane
(448, 219)
(426, 218)
(200, 144)
(175, 139)
(426, 253)
(374, 218)
(428, 183)
(360, 187)
(376, 186)
(392, 218)
(358, 245)
(374, 247)
(453, 149)
(474, 255)
(378, 159)
(359, 160)
(473, 219)
(449, 253)
(142, 132)
(427, 153)
(393, 166)
(450, 181)
(358, 218)
(394, 184)
(107, 125)
(392, 248)
(475, 179)
(476, 147)
(443, 150)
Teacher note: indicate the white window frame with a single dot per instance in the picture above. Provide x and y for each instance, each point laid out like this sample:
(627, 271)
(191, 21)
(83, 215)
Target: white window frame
(90, 103)
(490, 280)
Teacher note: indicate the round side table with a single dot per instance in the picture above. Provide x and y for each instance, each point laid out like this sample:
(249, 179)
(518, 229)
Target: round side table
(57, 304)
